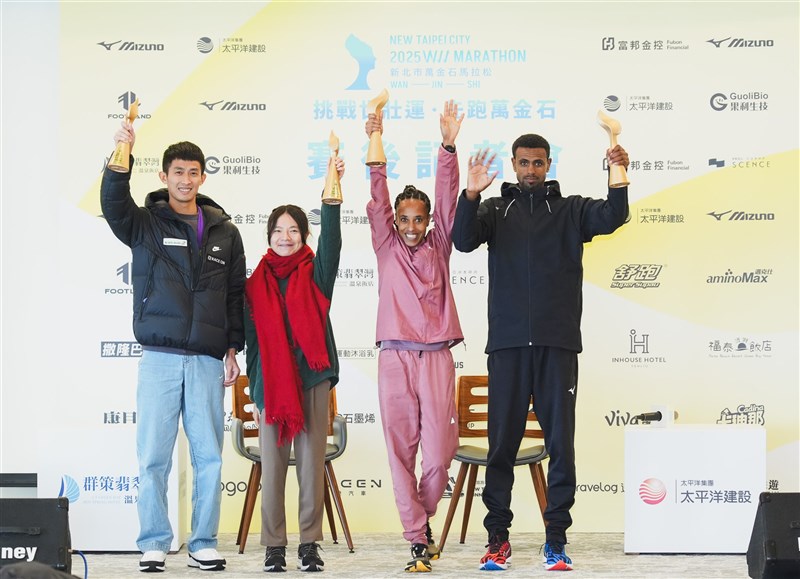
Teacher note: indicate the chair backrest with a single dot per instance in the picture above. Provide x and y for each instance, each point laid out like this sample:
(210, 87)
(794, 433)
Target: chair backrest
(472, 400)
(243, 407)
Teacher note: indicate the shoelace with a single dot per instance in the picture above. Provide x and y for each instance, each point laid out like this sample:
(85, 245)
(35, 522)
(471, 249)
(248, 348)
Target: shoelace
(309, 550)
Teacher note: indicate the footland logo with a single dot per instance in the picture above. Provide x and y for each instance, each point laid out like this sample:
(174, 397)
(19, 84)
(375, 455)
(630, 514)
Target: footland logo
(652, 491)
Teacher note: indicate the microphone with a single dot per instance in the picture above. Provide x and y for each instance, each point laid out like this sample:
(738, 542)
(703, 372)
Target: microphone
(652, 416)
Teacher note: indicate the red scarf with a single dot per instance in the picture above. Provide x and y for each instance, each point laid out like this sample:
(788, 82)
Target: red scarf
(306, 308)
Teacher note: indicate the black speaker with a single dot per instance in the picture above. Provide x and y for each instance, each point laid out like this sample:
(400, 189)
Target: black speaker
(774, 550)
(35, 530)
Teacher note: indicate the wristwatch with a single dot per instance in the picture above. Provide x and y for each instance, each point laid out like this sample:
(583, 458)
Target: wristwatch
(449, 148)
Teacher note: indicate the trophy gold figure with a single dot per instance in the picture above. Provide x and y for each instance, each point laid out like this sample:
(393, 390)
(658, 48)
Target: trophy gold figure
(375, 154)
(120, 160)
(617, 176)
(332, 194)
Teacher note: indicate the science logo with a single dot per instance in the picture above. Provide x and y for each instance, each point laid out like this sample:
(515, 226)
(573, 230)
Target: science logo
(718, 163)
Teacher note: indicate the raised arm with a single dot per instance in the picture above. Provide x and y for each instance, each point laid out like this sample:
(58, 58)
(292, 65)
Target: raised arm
(473, 223)
(447, 174)
(379, 207)
(329, 248)
(119, 208)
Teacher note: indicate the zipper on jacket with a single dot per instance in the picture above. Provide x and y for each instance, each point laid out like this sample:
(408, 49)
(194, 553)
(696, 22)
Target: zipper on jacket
(148, 284)
(530, 282)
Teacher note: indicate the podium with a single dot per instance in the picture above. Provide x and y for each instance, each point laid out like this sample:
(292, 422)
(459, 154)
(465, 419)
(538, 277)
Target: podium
(692, 488)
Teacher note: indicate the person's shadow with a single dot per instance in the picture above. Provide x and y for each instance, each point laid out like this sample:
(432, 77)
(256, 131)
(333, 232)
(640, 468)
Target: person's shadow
(362, 53)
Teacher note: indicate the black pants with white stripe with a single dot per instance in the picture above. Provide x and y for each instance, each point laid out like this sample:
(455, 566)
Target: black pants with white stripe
(550, 375)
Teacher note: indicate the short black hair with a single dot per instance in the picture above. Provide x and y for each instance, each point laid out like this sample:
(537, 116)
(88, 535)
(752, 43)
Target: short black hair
(411, 192)
(185, 151)
(530, 141)
(295, 213)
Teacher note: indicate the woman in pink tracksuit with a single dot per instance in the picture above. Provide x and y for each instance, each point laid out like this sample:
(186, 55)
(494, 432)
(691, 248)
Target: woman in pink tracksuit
(417, 325)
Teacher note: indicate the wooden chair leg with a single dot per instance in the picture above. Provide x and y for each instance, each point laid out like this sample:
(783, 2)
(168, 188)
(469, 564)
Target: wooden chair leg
(337, 500)
(540, 486)
(473, 475)
(462, 474)
(249, 505)
(329, 512)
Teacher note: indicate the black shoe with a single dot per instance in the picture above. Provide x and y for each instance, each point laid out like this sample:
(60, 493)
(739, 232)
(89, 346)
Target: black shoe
(275, 560)
(420, 562)
(308, 558)
(433, 549)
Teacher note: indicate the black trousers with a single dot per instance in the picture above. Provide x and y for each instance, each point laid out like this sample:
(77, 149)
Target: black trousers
(550, 375)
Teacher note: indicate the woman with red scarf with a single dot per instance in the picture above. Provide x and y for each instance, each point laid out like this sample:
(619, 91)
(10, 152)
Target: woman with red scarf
(292, 365)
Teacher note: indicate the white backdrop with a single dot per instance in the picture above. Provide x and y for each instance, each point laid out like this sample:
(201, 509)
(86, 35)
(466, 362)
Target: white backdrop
(693, 304)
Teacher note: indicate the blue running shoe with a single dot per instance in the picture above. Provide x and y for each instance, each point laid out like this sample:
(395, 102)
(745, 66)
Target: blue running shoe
(555, 558)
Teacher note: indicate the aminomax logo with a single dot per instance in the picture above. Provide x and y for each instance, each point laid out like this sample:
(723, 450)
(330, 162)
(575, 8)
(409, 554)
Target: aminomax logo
(731, 42)
(129, 45)
(228, 106)
(757, 276)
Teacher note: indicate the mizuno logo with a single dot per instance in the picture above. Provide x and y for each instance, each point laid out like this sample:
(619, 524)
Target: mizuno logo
(108, 45)
(210, 106)
(718, 42)
(719, 216)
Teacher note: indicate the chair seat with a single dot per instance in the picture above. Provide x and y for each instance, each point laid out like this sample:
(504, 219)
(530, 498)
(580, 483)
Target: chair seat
(255, 452)
(478, 455)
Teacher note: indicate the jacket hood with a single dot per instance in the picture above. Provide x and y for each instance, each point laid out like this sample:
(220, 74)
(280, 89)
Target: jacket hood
(548, 189)
(159, 196)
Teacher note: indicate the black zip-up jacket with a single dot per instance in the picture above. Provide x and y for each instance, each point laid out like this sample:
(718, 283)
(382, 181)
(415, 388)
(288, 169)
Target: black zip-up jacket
(181, 300)
(535, 242)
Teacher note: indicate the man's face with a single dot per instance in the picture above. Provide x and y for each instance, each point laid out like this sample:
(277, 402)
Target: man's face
(183, 180)
(412, 221)
(531, 167)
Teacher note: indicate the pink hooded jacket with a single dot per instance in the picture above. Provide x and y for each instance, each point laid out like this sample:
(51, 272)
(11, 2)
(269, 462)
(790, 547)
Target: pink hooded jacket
(415, 300)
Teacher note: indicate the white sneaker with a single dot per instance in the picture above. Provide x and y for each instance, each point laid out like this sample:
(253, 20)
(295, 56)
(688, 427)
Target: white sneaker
(153, 561)
(206, 560)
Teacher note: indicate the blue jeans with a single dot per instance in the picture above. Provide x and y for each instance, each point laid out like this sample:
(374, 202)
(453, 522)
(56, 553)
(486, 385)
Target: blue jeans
(171, 385)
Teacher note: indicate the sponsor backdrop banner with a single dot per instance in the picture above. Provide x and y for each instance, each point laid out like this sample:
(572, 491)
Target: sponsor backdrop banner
(692, 305)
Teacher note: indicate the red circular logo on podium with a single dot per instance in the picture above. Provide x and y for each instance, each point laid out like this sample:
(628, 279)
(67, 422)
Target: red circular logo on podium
(652, 491)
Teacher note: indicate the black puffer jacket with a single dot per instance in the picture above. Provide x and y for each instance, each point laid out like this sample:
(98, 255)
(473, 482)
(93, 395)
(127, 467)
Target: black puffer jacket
(180, 300)
(535, 243)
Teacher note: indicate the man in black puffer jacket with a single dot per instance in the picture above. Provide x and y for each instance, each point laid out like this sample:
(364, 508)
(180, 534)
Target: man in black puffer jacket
(535, 240)
(188, 291)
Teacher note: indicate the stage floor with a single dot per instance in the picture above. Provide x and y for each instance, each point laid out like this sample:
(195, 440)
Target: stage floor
(384, 555)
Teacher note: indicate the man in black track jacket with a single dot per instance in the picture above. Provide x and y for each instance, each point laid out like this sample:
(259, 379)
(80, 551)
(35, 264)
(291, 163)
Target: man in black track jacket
(535, 243)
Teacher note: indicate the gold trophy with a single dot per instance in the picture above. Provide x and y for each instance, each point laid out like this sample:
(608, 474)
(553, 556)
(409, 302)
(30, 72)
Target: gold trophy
(332, 194)
(617, 177)
(120, 160)
(375, 154)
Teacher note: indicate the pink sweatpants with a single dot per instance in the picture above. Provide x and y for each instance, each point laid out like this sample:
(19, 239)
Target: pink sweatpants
(416, 395)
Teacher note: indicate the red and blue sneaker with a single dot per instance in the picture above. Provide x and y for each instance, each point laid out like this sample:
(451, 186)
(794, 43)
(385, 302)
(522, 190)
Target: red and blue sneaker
(498, 556)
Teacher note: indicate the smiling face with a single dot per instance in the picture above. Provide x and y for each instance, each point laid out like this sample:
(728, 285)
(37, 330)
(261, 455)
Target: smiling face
(286, 237)
(412, 219)
(183, 180)
(531, 167)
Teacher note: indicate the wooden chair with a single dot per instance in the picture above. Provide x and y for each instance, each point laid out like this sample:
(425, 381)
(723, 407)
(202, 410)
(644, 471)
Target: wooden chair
(472, 398)
(243, 427)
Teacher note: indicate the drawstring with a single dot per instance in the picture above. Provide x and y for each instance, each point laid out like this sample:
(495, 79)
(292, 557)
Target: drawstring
(547, 192)
(507, 208)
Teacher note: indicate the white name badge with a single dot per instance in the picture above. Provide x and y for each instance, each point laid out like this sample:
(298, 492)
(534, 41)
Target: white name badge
(175, 242)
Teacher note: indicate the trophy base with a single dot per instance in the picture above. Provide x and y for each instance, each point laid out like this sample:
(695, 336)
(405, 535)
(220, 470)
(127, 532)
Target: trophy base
(619, 185)
(376, 163)
(332, 201)
(118, 168)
